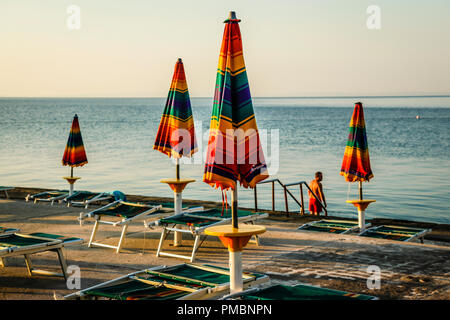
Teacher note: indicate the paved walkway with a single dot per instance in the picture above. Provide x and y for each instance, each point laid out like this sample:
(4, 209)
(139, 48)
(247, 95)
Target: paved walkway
(408, 270)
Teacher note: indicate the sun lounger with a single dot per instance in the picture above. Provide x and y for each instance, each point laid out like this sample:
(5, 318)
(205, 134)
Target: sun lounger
(195, 225)
(298, 292)
(48, 196)
(332, 226)
(127, 212)
(14, 244)
(6, 231)
(396, 233)
(5, 190)
(85, 198)
(179, 282)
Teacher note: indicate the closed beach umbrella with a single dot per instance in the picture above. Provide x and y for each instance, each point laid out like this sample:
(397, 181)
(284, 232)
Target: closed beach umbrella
(356, 162)
(74, 153)
(234, 149)
(176, 133)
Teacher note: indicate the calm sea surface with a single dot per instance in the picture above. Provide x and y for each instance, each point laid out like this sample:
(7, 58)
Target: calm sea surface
(410, 157)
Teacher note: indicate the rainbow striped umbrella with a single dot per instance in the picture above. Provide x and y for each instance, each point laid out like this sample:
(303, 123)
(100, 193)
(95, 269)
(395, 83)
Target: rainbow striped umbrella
(356, 162)
(74, 154)
(176, 133)
(234, 149)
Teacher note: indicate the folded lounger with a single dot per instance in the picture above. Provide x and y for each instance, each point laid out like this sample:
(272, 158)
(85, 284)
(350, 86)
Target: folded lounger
(331, 226)
(15, 244)
(85, 198)
(179, 282)
(195, 224)
(6, 189)
(298, 292)
(128, 212)
(48, 196)
(395, 233)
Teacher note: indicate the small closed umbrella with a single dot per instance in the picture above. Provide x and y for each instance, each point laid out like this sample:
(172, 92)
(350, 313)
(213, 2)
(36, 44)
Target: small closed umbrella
(356, 161)
(74, 153)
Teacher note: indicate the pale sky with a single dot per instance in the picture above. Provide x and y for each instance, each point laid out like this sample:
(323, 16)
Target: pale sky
(291, 47)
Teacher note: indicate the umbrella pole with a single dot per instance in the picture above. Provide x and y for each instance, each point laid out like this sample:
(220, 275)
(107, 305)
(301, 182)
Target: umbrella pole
(361, 213)
(235, 262)
(360, 190)
(177, 167)
(234, 207)
(177, 237)
(71, 172)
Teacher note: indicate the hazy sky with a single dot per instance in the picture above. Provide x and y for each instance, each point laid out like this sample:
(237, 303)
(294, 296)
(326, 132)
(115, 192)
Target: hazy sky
(291, 48)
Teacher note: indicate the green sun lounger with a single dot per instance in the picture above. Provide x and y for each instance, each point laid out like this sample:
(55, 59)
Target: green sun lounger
(120, 214)
(396, 233)
(5, 190)
(48, 196)
(85, 198)
(298, 292)
(6, 231)
(14, 244)
(179, 282)
(195, 224)
(331, 226)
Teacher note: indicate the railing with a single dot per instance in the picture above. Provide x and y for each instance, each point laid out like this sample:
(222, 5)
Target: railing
(286, 193)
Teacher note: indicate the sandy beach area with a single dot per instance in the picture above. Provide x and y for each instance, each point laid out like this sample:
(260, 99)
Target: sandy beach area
(409, 270)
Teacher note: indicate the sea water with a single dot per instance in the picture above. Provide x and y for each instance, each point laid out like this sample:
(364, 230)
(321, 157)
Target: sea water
(408, 140)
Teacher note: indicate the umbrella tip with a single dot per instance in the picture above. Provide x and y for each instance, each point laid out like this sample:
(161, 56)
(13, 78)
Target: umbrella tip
(232, 15)
(179, 60)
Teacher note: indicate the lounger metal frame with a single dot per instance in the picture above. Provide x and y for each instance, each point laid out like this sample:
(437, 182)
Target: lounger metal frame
(124, 222)
(37, 197)
(54, 245)
(314, 224)
(6, 189)
(198, 232)
(419, 235)
(198, 294)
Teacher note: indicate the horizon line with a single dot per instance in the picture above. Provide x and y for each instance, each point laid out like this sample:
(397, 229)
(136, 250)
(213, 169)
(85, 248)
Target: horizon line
(255, 97)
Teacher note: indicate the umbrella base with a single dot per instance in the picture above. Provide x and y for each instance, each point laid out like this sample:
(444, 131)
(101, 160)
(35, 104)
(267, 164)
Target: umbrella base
(235, 240)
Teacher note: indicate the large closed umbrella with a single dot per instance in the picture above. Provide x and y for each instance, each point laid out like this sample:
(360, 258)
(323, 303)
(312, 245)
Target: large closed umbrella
(356, 162)
(74, 153)
(176, 133)
(234, 150)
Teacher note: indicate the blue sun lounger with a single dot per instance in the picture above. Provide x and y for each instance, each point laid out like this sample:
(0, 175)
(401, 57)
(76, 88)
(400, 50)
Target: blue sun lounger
(179, 282)
(5, 190)
(13, 244)
(195, 224)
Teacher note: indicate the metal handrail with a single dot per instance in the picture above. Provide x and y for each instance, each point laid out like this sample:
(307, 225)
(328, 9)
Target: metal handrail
(286, 192)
